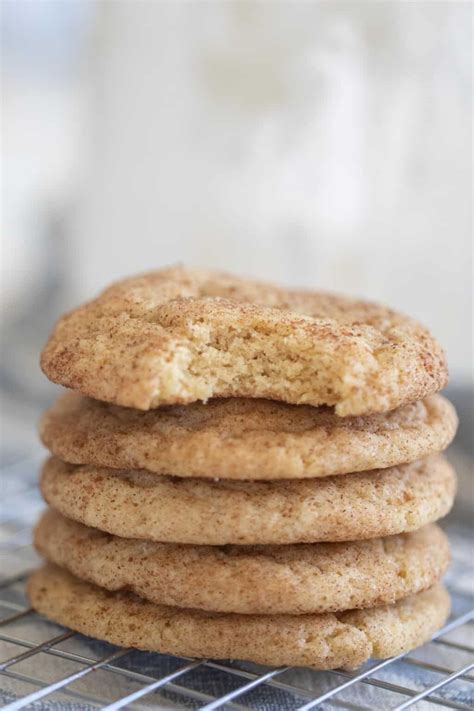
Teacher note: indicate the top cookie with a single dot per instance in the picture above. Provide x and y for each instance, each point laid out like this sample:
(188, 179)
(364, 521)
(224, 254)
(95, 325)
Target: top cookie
(176, 336)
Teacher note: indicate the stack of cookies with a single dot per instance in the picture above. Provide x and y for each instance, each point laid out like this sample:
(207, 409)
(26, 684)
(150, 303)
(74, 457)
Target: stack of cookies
(243, 471)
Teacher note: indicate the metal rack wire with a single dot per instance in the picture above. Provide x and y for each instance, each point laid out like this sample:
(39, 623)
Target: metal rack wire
(43, 666)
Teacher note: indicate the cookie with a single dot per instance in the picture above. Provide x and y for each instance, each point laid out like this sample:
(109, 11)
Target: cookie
(294, 579)
(139, 504)
(325, 641)
(243, 438)
(177, 336)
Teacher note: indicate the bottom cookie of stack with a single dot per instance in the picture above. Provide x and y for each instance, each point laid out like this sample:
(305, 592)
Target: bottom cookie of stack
(324, 641)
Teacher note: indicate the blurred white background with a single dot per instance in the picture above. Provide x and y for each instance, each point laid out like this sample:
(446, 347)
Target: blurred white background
(322, 144)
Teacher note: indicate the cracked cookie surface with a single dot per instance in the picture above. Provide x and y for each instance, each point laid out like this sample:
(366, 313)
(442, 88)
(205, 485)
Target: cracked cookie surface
(182, 335)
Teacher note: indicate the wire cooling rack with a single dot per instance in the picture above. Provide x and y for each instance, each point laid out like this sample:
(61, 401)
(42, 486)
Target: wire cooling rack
(44, 666)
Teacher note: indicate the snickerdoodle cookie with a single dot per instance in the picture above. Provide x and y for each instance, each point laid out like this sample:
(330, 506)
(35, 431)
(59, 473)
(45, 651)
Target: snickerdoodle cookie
(325, 641)
(294, 579)
(239, 438)
(140, 504)
(180, 335)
